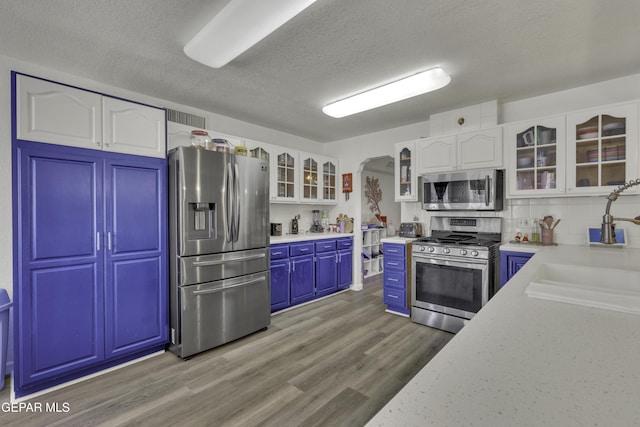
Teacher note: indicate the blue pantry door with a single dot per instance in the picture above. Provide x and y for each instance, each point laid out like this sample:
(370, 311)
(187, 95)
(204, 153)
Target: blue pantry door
(135, 278)
(60, 300)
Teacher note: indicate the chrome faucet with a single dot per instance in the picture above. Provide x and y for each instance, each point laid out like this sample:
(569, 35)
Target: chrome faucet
(608, 235)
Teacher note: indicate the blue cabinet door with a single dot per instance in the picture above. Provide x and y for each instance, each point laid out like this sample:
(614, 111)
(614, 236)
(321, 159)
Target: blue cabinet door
(302, 275)
(345, 268)
(58, 292)
(135, 265)
(280, 294)
(326, 273)
(510, 263)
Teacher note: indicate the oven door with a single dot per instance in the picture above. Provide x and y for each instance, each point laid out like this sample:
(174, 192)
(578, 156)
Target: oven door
(450, 285)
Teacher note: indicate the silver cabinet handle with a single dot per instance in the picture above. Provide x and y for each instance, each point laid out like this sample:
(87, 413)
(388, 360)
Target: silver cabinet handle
(109, 240)
(98, 241)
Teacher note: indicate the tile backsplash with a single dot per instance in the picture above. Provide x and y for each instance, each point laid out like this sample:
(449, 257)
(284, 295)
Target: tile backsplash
(578, 214)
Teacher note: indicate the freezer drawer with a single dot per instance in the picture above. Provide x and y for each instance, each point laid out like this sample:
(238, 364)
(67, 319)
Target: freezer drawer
(219, 312)
(209, 268)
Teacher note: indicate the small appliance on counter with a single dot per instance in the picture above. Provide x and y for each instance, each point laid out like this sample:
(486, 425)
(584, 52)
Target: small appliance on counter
(410, 229)
(294, 224)
(316, 227)
(276, 229)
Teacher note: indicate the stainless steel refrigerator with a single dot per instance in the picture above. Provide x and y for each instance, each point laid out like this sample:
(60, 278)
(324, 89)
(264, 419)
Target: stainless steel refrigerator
(219, 248)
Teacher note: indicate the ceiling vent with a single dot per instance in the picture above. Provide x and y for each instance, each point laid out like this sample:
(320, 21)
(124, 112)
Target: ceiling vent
(185, 118)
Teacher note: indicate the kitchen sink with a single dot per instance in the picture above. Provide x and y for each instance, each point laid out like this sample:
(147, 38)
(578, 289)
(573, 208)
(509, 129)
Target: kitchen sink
(605, 288)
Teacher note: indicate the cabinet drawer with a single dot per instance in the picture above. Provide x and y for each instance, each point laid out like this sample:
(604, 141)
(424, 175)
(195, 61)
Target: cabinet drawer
(394, 263)
(345, 243)
(395, 297)
(394, 249)
(279, 251)
(296, 249)
(325, 245)
(394, 279)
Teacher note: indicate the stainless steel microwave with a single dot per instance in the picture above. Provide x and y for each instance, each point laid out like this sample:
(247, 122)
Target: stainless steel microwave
(475, 190)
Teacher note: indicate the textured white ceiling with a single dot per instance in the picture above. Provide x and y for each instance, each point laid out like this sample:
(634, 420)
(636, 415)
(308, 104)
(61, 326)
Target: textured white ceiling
(493, 49)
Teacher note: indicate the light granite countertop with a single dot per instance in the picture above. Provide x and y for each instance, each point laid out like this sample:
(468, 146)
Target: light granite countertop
(290, 238)
(399, 240)
(529, 362)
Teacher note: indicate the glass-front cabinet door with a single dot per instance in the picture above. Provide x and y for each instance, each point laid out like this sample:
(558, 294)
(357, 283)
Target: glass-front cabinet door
(406, 183)
(536, 157)
(602, 152)
(329, 171)
(309, 180)
(284, 169)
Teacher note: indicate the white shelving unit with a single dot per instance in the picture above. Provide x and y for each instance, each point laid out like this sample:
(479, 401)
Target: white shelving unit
(372, 257)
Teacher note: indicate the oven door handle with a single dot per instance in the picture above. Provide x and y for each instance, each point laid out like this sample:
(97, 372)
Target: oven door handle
(448, 261)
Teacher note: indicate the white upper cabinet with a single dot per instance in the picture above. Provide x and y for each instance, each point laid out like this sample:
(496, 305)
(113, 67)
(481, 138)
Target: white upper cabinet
(536, 163)
(329, 180)
(602, 149)
(58, 114)
(480, 149)
(406, 180)
(317, 178)
(285, 170)
(473, 150)
(436, 154)
(133, 128)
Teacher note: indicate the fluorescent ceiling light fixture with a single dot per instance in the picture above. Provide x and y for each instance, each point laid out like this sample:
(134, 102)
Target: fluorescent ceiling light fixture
(417, 84)
(238, 26)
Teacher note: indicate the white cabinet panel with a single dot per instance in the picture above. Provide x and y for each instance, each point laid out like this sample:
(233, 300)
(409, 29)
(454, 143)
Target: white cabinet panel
(481, 149)
(133, 128)
(57, 114)
(437, 154)
(474, 150)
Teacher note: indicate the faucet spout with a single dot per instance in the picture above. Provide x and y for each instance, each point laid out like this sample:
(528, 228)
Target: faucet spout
(608, 233)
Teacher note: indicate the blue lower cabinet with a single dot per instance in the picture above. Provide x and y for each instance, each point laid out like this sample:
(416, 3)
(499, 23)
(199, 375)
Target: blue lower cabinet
(345, 262)
(280, 285)
(326, 273)
(510, 263)
(396, 276)
(303, 271)
(345, 268)
(302, 275)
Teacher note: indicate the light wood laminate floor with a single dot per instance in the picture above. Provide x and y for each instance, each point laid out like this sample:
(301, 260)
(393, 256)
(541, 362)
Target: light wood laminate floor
(334, 362)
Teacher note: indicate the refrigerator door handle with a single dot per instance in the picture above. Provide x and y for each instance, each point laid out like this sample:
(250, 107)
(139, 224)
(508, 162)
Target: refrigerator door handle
(236, 210)
(225, 260)
(228, 220)
(224, 288)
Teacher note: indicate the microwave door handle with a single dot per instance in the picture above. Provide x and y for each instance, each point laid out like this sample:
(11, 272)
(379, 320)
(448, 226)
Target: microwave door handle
(487, 190)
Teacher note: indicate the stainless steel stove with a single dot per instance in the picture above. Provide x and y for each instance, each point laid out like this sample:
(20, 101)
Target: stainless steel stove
(454, 271)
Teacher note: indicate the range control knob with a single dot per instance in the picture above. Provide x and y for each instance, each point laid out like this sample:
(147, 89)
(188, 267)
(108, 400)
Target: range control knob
(463, 251)
(446, 250)
(422, 248)
(431, 249)
(474, 253)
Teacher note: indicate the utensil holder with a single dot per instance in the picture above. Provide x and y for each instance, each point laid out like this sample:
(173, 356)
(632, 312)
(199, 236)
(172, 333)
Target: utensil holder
(547, 236)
